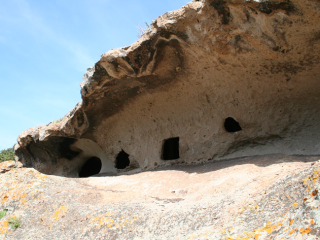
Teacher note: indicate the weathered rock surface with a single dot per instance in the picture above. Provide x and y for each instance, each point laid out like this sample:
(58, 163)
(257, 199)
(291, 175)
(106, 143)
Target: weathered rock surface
(268, 197)
(221, 79)
(8, 165)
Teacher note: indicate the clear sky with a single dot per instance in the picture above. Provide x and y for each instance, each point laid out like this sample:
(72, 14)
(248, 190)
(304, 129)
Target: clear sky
(46, 47)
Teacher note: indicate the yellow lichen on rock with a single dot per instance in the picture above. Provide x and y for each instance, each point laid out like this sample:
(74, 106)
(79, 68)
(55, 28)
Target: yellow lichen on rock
(305, 230)
(14, 188)
(256, 234)
(4, 227)
(59, 213)
(109, 222)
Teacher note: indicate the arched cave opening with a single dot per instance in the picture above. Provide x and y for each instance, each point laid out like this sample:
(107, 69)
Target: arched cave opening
(170, 149)
(91, 167)
(232, 125)
(122, 160)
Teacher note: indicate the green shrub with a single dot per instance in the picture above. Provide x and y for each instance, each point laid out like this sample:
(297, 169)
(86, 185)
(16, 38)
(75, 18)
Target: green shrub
(3, 213)
(6, 155)
(14, 222)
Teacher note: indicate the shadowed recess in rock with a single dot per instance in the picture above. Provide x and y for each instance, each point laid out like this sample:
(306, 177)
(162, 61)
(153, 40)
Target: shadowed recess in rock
(122, 160)
(91, 167)
(170, 149)
(232, 125)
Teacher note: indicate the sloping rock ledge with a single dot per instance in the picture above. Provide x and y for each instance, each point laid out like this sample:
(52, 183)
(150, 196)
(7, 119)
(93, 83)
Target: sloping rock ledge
(255, 198)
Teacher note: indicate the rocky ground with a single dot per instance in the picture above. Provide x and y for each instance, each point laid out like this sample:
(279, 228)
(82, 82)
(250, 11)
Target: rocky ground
(269, 197)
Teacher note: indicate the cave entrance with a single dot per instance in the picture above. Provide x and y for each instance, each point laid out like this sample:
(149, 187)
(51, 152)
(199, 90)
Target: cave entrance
(91, 167)
(170, 149)
(232, 125)
(122, 160)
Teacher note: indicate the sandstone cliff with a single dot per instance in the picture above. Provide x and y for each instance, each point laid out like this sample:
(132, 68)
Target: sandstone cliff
(210, 81)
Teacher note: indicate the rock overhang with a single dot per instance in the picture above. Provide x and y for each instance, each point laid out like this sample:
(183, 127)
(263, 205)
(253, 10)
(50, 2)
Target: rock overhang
(254, 62)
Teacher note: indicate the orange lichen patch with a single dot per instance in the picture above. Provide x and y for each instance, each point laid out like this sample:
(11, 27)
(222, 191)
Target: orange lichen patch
(292, 231)
(19, 187)
(60, 212)
(272, 228)
(106, 220)
(256, 236)
(305, 180)
(40, 175)
(4, 198)
(269, 228)
(4, 227)
(101, 220)
(305, 230)
(16, 194)
(316, 176)
(314, 193)
(6, 164)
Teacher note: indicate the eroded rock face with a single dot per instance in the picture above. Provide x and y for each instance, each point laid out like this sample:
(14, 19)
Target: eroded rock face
(213, 80)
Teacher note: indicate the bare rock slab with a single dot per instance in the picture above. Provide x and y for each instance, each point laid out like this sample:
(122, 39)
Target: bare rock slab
(271, 196)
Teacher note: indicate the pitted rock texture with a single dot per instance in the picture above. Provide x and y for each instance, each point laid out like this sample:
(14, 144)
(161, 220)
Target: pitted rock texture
(266, 197)
(211, 60)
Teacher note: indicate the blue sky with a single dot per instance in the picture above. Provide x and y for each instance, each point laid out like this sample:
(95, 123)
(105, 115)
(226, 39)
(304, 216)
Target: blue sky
(46, 47)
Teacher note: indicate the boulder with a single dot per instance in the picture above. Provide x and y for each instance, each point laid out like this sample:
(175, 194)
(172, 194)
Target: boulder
(213, 80)
(9, 165)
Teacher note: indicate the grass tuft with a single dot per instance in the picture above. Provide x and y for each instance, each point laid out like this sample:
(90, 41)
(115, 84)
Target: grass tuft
(3, 213)
(144, 30)
(14, 222)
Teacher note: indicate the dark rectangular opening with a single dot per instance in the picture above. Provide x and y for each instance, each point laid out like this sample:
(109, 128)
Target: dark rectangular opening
(122, 160)
(170, 149)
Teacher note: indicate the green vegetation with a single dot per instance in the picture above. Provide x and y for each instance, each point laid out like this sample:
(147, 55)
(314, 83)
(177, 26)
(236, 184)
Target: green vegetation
(142, 30)
(3, 213)
(6, 155)
(57, 121)
(14, 222)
